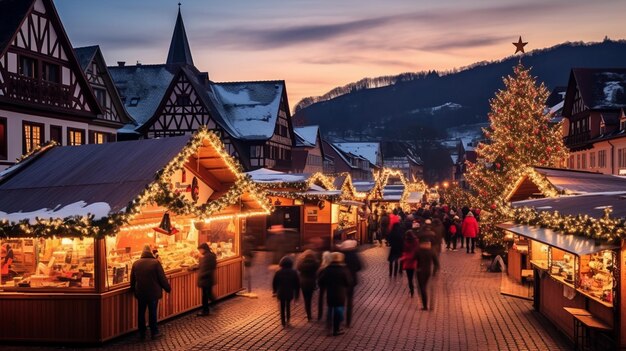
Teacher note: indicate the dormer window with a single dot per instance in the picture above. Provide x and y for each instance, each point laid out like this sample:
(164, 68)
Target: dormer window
(133, 102)
(622, 121)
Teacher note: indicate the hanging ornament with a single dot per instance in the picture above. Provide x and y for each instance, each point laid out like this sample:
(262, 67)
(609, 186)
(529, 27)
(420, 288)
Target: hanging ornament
(166, 226)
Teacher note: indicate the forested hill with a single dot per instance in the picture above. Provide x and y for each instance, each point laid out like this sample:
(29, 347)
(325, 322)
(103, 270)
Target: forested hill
(417, 105)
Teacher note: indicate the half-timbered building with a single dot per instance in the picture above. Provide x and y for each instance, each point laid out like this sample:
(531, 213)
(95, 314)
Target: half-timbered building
(176, 98)
(44, 94)
(594, 124)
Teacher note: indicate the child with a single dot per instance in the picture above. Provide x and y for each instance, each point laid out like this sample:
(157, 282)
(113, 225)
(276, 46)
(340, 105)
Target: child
(286, 286)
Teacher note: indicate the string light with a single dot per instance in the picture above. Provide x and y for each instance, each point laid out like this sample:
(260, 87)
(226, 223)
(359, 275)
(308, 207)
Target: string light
(157, 192)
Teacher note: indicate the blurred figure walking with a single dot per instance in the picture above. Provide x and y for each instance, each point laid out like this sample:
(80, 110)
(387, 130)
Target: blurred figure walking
(286, 286)
(308, 265)
(335, 279)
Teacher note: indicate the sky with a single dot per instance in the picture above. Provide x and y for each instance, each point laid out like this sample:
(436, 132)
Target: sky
(316, 45)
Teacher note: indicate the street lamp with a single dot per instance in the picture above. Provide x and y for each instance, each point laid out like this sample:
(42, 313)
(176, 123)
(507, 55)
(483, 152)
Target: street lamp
(445, 185)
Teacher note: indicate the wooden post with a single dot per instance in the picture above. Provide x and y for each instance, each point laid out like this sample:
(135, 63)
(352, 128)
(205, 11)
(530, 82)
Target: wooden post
(100, 265)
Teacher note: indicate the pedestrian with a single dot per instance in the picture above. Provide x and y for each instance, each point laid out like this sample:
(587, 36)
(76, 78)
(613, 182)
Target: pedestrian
(427, 265)
(453, 229)
(439, 229)
(286, 286)
(409, 261)
(327, 258)
(335, 279)
(354, 265)
(384, 227)
(307, 265)
(206, 276)
(372, 226)
(147, 282)
(395, 251)
(469, 229)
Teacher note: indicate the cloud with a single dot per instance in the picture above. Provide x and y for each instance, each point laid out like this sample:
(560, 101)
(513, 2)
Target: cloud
(355, 60)
(463, 42)
(284, 36)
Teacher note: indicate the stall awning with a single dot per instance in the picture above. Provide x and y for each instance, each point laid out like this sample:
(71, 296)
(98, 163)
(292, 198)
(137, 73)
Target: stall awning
(571, 243)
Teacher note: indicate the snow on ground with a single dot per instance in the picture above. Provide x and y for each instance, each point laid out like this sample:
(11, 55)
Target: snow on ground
(80, 208)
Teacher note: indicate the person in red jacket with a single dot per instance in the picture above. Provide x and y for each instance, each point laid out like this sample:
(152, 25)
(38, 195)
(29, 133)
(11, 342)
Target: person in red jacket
(409, 261)
(469, 229)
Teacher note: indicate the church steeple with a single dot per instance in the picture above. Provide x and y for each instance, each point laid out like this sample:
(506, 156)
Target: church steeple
(180, 52)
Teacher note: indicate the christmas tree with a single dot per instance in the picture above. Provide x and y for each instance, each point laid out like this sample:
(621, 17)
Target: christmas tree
(520, 135)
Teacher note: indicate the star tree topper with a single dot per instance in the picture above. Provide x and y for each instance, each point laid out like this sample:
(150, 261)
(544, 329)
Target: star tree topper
(519, 46)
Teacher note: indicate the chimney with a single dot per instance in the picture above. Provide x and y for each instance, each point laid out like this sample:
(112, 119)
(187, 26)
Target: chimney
(121, 63)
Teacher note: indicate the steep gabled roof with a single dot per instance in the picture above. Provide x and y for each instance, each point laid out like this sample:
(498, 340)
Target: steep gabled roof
(369, 151)
(306, 136)
(180, 51)
(142, 88)
(250, 108)
(600, 88)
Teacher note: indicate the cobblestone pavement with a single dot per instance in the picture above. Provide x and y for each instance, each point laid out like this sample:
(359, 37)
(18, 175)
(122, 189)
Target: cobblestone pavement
(468, 313)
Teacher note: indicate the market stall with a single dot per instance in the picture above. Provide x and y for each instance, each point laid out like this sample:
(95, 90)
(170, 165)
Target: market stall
(574, 246)
(303, 214)
(75, 232)
(392, 190)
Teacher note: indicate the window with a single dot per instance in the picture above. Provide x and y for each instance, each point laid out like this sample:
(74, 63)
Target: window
(601, 158)
(571, 161)
(621, 158)
(583, 158)
(183, 100)
(75, 136)
(56, 134)
(33, 136)
(28, 67)
(622, 124)
(578, 161)
(101, 96)
(256, 151)
(134, 102)
(51, 72)
(51, 263)
(98, 137)
(592, 160)
(4, 143)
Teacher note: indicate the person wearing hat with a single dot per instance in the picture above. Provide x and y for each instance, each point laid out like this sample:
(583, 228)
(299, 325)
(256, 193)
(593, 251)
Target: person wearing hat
(286, 286)
(147, 282)
(206, 276)
(335, 280)
(354, 265)
(469, 229)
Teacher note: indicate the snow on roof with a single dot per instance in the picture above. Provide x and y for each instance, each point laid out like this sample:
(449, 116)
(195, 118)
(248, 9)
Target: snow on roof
(557, 107)
(265, 175)
(251, 108)
(369, 151)
(142, 87)
(363, 186)
(306, 136)
(79, 208)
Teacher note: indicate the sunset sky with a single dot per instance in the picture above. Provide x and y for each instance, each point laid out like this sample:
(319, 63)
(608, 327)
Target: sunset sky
(316, 45)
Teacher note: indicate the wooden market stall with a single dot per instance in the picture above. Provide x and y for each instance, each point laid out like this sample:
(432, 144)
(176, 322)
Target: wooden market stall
(77, 217)
(575, 248)
(308, 210)
(392, 190)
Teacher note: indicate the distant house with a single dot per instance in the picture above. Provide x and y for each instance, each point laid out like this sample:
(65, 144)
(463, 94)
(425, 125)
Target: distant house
(308, 155)
(44, 91)
(359, 167)
(371, 151)
(555, 103)
(175, 98)
(402, 155)
(594, 125)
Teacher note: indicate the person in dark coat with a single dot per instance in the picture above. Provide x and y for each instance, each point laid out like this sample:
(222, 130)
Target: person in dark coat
(409, 262)
(286, 286)
(427, 265)
(147, 282)
(439, 230)
(335, 279)
(384, 227)
(327, 259)
(396, 243)
(307, 265)
(206, 276)
(354, 265)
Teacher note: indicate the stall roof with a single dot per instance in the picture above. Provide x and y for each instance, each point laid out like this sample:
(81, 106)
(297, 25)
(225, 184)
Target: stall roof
(415, 197)
(112, 173)
(567, 242)
(582, 182)
(364, 187)
(264, 175)
(587, 204)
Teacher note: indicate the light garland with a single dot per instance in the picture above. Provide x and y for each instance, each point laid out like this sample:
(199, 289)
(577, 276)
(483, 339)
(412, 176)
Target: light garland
(381, 178)
(158, 192)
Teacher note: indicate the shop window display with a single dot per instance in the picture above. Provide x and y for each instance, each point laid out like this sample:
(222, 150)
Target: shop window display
(47, 263)
(176, 252)
(596, 275)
